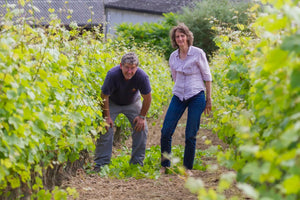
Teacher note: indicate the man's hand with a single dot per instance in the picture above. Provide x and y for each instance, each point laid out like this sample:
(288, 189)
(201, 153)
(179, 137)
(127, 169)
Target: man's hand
(105, 109)
(139, 123)
(109, 123)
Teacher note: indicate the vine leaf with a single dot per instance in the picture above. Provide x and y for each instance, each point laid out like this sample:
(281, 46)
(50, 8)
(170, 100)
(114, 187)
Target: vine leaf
(291, 43)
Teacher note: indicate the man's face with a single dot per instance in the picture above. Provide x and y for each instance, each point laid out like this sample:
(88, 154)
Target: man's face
(128, 70)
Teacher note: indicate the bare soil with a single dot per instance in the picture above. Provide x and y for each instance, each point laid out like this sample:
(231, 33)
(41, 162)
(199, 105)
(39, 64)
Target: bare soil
(167, 186)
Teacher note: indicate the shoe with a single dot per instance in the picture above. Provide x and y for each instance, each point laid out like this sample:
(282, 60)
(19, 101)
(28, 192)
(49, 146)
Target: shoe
(163, 170)
(97, 169)
(189, 172)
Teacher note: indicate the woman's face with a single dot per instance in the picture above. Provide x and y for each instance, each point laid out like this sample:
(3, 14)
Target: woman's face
(181, 39)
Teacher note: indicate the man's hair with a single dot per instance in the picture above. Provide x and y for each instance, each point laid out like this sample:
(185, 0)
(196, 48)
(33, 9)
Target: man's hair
(183, 29)
(130, 58)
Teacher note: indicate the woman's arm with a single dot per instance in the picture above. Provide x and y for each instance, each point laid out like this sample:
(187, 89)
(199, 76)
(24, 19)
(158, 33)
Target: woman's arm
(208, 98)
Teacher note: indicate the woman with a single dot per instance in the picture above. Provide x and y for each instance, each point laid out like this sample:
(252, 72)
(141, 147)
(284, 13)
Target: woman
(192, 77)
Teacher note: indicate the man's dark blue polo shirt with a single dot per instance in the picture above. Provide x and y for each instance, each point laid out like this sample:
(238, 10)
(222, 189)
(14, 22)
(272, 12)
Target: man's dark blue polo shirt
(125, 92)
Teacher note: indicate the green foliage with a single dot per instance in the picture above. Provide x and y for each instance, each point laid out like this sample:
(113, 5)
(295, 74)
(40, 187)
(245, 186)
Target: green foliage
(225, 182)
(49, 109)
(50, 81)
(256, 96)
(154, 35)
(120, 167)
(204, 14)
(56, 194)
(199, 19)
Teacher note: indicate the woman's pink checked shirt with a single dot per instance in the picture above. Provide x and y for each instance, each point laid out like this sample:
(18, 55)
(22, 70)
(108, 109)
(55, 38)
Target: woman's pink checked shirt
(189, 74)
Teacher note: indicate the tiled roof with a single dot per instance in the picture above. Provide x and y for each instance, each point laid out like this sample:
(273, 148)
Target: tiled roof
(150, 6)
(79, 10)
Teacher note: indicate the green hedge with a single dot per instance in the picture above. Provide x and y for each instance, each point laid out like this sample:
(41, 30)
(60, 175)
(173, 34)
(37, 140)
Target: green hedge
(153, 35)
(256, 100)
(200, 18)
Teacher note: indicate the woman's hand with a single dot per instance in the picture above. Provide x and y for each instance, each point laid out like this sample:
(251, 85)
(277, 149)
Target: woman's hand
(208, 106)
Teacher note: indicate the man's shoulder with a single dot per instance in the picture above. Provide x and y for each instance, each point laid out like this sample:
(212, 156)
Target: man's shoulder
(140, 72)
(142, 79)
(115, 71)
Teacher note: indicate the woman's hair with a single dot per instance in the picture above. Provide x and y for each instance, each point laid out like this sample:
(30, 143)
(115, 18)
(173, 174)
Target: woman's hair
(130, 58)
(181, 27)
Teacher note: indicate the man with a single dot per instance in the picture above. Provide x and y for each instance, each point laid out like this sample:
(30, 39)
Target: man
(121, 91)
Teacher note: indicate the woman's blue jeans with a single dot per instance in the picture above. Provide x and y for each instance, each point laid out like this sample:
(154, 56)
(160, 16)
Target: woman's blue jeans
(196, 106)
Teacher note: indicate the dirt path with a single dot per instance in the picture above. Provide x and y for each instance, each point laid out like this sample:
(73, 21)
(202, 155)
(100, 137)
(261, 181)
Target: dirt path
(167, 187)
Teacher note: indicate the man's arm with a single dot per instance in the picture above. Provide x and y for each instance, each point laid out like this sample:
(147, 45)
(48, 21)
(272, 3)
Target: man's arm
(139, 121)
(146, 104)
(105, 109)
